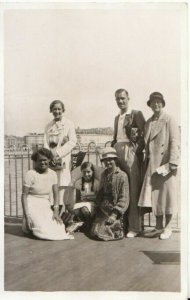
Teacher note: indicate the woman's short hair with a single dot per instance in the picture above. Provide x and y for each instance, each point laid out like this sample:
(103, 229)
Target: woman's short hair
(56, 102)
(42, 151)
(121, 91)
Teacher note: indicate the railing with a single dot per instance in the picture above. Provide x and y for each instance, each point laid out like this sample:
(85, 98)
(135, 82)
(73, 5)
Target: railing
(18, 161)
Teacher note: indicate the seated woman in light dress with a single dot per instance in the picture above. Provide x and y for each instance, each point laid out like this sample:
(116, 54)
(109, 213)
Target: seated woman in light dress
(84, 209)
(38, 186)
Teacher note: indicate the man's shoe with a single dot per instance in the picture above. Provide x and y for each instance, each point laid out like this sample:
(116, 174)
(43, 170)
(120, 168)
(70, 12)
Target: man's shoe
(153, 233)
(166, 234)
(131, 234)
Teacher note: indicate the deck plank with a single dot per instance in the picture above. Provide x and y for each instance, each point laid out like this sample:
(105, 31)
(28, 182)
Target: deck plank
(86, 265)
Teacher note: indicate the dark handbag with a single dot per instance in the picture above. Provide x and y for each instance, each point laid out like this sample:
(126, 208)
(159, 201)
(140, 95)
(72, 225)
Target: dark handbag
(56, 165)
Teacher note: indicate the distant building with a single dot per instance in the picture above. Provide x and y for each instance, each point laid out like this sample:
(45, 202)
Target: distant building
(100, 131)
(85, 138)
(11, 140)
(99, 136)
(34, 139)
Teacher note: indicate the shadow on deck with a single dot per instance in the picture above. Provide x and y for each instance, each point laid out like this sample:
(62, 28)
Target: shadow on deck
(83, 264)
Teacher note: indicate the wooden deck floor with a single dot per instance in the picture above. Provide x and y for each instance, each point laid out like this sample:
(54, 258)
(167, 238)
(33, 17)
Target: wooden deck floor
(86, 265)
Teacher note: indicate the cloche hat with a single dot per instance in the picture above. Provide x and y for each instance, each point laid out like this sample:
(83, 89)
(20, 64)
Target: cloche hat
(108, 152)
(156, 95)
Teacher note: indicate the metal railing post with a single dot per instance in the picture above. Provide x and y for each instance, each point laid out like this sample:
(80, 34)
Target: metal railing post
(10, 185)
(108, 144)
(16, 191)
(28, 149)
(11, 148)
(88, 149)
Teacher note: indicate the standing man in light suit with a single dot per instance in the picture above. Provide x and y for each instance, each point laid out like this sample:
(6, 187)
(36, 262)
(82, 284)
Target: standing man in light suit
(129, 143)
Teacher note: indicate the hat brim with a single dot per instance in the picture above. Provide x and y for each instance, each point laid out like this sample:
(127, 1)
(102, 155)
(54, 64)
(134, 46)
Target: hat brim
(109, 156)
(163, 102)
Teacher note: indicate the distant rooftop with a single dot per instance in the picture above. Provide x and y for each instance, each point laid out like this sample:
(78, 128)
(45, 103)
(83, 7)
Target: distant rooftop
(98, 130)
(103, 131)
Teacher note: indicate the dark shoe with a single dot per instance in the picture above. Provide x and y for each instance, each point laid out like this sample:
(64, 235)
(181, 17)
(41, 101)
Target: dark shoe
(152, 234)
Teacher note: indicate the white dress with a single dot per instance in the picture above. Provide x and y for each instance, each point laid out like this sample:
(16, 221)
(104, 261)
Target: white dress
(56, 132)
(39, 206)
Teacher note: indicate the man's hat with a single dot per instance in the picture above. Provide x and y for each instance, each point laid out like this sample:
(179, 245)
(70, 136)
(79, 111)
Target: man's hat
(156, 95)
(108, 152)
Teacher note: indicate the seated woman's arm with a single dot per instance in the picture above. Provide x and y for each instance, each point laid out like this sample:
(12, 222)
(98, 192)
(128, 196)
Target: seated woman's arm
(99, 197)
(25, 207)
(122, 200)
(96, 186)
(99, 189)
(123, 196)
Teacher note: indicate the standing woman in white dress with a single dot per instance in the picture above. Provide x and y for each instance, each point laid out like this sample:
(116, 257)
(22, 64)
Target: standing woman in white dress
(38, 185)
(60, 138)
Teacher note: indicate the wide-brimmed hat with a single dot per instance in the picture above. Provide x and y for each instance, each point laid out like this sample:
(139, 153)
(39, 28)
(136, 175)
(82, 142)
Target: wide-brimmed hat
(108, 152)
(156, 95)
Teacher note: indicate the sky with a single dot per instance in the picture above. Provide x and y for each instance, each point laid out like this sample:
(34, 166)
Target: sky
(81, 56)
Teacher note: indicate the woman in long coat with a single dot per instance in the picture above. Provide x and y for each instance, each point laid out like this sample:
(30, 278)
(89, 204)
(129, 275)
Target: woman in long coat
(60, 138)
(160, 184)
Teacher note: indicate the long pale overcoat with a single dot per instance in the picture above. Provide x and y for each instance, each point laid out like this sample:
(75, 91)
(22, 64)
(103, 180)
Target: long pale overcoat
(162, 147)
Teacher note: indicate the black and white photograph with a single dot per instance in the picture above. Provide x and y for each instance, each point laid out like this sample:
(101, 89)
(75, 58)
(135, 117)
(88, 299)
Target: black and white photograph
(95, 150)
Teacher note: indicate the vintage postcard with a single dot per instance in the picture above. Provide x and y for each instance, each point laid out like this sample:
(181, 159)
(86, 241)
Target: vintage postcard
(94, 160)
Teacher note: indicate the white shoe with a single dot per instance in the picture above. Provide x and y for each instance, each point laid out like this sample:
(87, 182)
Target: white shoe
(166, 234)
(131, 234)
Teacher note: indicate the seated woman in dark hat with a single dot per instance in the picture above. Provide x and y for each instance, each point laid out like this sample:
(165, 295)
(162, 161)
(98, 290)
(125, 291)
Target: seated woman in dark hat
(112, 199)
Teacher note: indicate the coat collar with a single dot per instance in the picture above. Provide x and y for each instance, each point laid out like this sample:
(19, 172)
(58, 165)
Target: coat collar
(56, 125)
(128, 112)
(152, 132)
(117, 170)
(60, 123)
